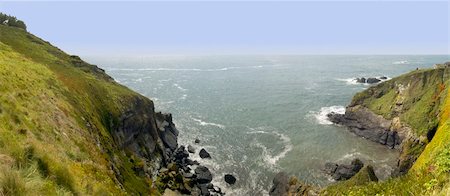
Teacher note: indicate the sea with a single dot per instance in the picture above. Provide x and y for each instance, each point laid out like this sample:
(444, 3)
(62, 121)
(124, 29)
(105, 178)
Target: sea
(258, 115)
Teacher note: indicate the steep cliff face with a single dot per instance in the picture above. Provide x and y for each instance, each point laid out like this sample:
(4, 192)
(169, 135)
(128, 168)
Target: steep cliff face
(67, 127)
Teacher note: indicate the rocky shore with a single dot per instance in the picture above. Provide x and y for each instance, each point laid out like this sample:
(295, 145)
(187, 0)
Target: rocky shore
(180, 174)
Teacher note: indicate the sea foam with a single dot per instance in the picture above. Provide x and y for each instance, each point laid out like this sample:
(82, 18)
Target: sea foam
(321, 116)
(203, 123)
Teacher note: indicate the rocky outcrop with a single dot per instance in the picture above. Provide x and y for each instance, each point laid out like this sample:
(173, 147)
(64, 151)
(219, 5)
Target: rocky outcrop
(369, 125)
(371, 80)
(179, 176)
(343, 171)
(283, 185)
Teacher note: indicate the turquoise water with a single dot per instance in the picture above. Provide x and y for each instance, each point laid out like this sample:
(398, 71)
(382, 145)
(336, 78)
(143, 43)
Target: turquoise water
(258, 115)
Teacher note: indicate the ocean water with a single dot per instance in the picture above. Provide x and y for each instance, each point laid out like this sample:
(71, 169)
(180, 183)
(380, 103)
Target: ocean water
(258, 115)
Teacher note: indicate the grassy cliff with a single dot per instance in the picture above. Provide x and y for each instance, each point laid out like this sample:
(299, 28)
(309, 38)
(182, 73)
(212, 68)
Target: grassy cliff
(62, 126)
(420, 101)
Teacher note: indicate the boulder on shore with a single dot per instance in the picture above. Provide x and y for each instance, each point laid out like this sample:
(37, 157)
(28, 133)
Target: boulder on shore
(343, 172)
(230, 179)
(204, 154)
(191, 149)
(203, 175)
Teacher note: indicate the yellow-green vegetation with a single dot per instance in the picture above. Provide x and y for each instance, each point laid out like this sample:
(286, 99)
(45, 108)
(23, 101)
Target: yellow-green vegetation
(427, 102)
(56, 117)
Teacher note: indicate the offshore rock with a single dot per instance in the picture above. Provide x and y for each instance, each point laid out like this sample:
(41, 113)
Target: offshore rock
(204, 154)
(203, 175)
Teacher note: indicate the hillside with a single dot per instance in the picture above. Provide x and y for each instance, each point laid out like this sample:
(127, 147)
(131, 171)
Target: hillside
(68, 128)
(414, 108)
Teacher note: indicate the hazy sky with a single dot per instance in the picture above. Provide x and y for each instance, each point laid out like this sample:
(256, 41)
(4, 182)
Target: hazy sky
(202, 27)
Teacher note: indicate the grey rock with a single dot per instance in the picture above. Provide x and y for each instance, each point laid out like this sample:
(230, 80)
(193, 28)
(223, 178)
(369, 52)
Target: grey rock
(204, 154)
(230, 179)
(203, 175)
(343, 172)
(191, 149)
(280, 185)
(367, 124)
(361, 80)
(372, 80)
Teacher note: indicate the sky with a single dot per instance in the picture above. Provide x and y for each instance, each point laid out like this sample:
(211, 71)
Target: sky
(238, 27)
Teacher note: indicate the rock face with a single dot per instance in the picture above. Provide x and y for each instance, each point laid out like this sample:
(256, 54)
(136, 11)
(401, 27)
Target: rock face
(367, 124)
(230, 179)
(343, 172)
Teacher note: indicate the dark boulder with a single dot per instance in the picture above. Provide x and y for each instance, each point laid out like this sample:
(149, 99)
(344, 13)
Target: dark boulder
(343, 172)
(230, 179)
(203, 154)
(191, 149)
(372, 80)
(361, 80)
(197, 141)
(203, 175)
(383, 77)
(330, 168)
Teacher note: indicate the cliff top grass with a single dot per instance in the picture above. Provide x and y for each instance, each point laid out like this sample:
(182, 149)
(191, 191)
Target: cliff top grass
(56, 113)
(415, 97)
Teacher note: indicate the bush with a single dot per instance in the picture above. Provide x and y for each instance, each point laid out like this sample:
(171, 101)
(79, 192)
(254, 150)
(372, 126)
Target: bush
(12, 21)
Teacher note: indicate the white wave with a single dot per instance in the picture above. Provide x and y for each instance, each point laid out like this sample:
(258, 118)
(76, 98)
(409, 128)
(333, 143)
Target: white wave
(179, 87)
(164, 80)
(138, 80)
(267, 156)
(203, 123)
(321, 116)
(183, 97)
(400, 62)
(349, 81)
(180, 69)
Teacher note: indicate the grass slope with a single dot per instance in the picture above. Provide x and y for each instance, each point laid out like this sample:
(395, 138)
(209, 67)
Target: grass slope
(46, 145)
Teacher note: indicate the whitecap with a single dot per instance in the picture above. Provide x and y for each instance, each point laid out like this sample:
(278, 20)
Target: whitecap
(183, 97)
(203, 123)
(400, 62)
(321, 116)
(267, 156)
(349, 81)
(179, 87)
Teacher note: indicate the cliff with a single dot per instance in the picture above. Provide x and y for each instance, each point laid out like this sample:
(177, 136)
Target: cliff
(410, 113)
(66, 127)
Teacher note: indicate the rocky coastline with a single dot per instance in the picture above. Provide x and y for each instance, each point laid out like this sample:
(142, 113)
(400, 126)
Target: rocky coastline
(381, 114)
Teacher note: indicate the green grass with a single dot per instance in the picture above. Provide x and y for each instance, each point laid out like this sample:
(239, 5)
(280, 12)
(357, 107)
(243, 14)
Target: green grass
(46, 98)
